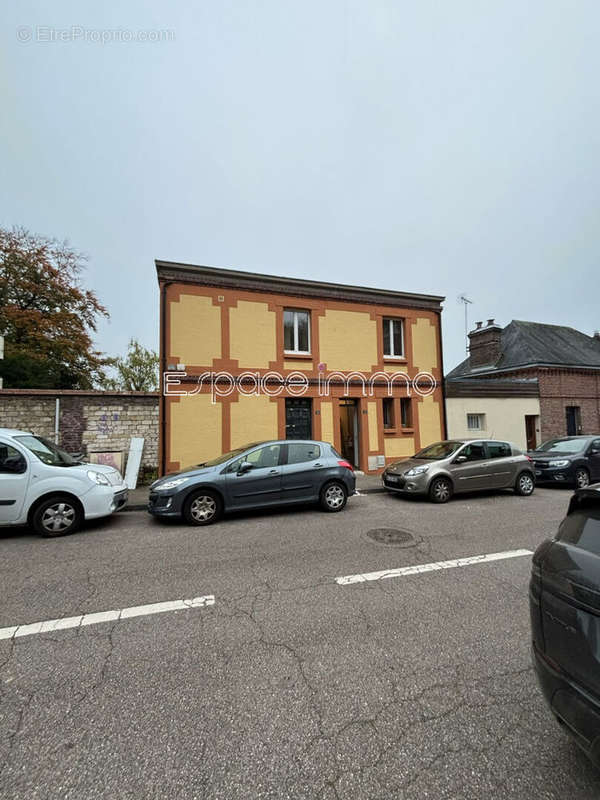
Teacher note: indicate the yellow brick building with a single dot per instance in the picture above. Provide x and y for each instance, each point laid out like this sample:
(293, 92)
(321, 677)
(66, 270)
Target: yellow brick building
(250, 357)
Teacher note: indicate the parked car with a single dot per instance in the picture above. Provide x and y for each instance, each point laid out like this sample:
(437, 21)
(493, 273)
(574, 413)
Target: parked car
(461, 465)
(42, 486)
(257, 475)
(571, 461)
(564, 600)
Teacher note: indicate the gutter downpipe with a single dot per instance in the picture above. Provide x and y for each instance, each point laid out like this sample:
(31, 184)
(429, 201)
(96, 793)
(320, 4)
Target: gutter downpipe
(56, 420)
(163, 358)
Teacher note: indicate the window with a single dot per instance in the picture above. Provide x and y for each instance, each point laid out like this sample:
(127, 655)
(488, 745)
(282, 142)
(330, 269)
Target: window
(475, 422)
(388, 412)
(264, 458)
(582, 529)
(499, 449)
(405, 412)
(297, 453)
(473, 452)
(296, 331)
(393, 338)
(11, 460)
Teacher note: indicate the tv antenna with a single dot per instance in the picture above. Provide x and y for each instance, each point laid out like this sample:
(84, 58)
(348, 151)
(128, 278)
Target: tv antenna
(462, 298)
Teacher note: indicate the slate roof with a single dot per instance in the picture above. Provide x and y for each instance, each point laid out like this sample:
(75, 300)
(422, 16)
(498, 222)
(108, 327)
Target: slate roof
(536, 344)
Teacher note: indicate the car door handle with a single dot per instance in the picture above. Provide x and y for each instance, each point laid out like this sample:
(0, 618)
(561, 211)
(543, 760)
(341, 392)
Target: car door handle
(274, 472)
(317, 465)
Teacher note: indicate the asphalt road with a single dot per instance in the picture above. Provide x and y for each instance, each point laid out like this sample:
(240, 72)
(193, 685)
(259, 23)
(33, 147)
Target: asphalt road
(290, 685)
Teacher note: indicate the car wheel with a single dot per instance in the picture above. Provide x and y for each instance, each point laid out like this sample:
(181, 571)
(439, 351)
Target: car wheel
(333, 496)
(202, 507)
(440, 490)
(525, 484)
(57, 516)
(582, 478)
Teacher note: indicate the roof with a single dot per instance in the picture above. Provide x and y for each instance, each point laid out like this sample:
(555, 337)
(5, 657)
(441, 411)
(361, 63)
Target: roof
(254, 281)
(527, 344)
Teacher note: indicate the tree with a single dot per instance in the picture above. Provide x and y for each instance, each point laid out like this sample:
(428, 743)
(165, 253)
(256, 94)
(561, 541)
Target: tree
(47, 317)
(137, 372)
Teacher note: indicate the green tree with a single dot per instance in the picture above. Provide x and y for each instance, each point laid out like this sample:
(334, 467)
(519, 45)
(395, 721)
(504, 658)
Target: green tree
(137, 372)
(46, 315)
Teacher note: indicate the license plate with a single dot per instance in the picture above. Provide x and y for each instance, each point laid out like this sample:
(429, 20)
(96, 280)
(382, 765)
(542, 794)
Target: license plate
(392, 479)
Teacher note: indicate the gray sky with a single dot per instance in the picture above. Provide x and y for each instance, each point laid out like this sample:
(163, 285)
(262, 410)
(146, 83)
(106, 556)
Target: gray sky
(442, 147)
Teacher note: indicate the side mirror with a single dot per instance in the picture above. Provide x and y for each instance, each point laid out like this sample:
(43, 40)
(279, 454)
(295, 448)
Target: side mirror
(244, 467)
(460, 459)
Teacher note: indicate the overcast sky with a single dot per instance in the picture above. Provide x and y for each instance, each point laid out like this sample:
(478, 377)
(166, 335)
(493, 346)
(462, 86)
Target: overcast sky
(440, 147)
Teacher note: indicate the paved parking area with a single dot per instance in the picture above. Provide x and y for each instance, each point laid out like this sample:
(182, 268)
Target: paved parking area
(262, 676)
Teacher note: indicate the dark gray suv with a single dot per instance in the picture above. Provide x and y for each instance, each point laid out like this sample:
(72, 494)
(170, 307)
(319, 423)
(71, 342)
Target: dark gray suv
(257, 475)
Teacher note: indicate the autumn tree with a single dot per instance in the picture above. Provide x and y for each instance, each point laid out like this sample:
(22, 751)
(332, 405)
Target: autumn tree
(46, 315)
(136, 372)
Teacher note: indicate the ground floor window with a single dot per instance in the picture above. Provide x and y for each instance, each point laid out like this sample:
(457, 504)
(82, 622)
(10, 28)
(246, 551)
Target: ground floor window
(388, 412)
(406, 412)
(475, 422)
(298, 418)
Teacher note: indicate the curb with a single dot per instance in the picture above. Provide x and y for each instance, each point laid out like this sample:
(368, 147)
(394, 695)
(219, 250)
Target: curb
(374, 490)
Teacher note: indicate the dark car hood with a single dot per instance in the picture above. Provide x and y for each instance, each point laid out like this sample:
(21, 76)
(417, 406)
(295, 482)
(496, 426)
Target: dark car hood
(545, 456)
(185, 473)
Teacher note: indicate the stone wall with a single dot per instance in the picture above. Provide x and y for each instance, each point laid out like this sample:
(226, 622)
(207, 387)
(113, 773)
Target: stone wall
(89, 421)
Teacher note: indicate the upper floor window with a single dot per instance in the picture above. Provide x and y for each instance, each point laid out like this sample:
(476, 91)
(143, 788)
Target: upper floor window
(296, 331)
(393, 338)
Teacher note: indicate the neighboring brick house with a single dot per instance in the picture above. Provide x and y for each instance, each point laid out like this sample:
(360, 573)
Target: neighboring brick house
(527, 382)
(219, 322)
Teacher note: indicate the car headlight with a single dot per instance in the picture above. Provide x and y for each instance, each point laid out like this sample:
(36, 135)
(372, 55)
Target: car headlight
(559, 463)
(98, 477)
(172, 484)
(416, 471)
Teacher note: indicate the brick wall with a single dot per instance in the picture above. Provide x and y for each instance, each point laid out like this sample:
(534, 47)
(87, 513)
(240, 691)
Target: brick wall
(562, 388)
(89, 421)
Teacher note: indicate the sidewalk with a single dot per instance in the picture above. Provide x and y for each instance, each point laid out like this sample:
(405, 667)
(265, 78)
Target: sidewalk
(138, 498)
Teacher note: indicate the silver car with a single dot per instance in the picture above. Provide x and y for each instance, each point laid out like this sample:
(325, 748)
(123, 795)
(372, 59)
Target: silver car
(466, 465)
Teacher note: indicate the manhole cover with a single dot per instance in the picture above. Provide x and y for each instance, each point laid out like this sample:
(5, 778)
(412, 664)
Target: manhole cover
(391, 536)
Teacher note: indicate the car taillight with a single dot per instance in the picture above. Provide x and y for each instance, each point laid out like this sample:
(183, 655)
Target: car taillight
(346, 464)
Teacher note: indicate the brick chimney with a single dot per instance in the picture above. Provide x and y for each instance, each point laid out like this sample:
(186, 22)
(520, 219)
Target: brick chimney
(484, 344)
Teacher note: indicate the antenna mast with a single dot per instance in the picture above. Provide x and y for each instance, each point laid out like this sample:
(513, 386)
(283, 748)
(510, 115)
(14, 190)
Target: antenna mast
(466, 302)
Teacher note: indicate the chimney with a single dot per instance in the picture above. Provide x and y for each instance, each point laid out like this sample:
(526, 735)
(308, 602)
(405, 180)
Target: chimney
(484, 345)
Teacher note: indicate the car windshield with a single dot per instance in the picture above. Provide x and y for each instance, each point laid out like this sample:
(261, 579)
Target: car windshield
(439, 450)
(562, 446)
(214, 462)
(47, 451)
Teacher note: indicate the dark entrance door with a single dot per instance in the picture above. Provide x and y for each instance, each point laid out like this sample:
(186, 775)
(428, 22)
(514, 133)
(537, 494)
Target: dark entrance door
(573, 420)
(530, 424)
(349, 431)
(298, 418)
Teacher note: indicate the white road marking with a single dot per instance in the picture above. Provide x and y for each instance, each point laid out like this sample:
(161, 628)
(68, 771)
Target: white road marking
(105, 616)
(417, 569)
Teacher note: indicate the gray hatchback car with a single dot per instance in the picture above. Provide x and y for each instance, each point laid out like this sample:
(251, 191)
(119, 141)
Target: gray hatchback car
(257, 475)
(465, 465)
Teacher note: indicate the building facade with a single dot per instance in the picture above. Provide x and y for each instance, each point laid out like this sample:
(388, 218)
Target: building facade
(527, 383)
(250, 357)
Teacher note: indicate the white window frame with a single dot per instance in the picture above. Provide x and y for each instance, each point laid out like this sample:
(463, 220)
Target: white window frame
(295, 351)
(390, 322)
(480, 418)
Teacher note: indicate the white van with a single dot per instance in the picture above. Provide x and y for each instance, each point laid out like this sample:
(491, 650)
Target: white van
(42, 486)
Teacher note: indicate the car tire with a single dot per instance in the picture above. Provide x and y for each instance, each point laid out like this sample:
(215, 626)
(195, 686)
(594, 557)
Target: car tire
(57, 515)
(525, 484)
(202, 507)
(333, 497)
(440, 490)
(582, 478)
